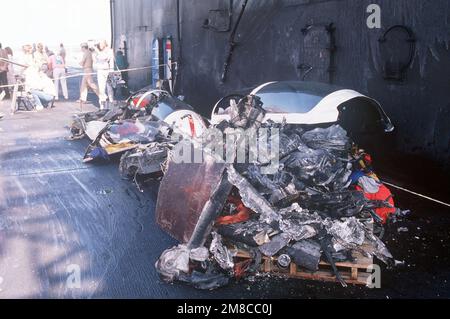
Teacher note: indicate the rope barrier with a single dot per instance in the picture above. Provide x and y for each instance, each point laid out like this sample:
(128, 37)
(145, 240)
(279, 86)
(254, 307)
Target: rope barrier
(74, 75)
(417, 194)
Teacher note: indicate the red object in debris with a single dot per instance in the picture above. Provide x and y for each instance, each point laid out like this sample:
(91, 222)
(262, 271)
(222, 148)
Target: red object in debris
(384, 195)
(192, 126)
(242, 213)
(368, 159)
(240, 268)
(143, 103)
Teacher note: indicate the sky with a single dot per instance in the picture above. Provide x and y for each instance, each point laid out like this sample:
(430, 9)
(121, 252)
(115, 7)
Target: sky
(53, 21)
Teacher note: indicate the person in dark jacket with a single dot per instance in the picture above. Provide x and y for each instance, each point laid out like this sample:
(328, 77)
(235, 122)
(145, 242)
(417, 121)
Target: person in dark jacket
(121, 64)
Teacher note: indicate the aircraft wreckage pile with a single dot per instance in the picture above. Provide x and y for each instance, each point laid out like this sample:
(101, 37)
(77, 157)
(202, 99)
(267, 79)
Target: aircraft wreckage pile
(306, 211)
(318, 205)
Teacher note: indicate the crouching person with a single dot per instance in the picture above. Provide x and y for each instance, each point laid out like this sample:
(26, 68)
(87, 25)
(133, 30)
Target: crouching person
(41, 87)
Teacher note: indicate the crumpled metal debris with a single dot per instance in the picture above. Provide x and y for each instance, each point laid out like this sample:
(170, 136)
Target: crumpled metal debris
(120, 136)
(220, 253)
(346, 234)
(290, 142)
(296, 231)
(333, 138)
(318, 168)
(336, 204)
(145, 159)
(304, 212)
(379, 249)
(251, 198)
(138, 131)
(173, 262)
(275, 245)
(252, 232)
(275, 188)
(93, 128)
(174, 265)
(351, 234)
(247, 113)
(81, 121)
(199, 254)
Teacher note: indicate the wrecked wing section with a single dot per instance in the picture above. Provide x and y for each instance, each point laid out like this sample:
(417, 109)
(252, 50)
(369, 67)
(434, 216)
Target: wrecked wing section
(184, 191)
(82, 122)
(121, 136)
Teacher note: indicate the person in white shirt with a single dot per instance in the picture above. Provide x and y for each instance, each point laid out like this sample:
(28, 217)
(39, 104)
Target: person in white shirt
(40, 86)
(105, 64)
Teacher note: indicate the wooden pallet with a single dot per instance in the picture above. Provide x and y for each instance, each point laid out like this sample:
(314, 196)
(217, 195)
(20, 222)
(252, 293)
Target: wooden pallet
(351, 272)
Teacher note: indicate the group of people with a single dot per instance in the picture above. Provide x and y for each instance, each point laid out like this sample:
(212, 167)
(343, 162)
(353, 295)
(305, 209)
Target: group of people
(44, 71)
